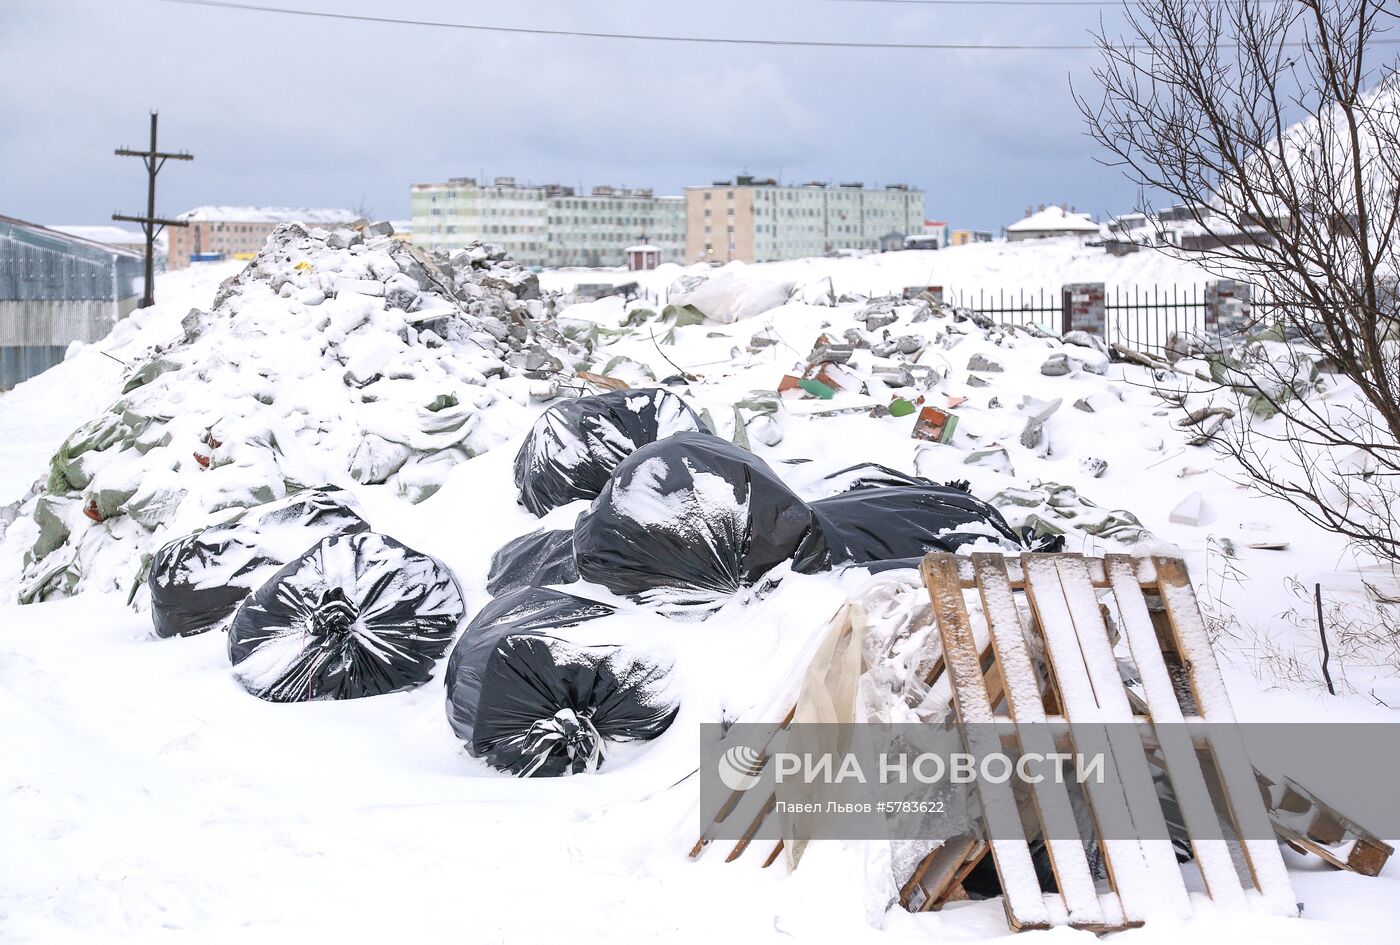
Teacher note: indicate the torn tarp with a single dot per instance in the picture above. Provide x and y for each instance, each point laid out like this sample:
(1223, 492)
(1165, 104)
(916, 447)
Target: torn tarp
(535, 705)
(575, 445)
(688, 521)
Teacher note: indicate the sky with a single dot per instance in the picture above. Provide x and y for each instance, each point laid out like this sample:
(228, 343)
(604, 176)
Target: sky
(282, 110)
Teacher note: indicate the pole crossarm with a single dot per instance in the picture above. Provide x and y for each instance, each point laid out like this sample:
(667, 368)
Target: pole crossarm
(163, 155)
(159, 221)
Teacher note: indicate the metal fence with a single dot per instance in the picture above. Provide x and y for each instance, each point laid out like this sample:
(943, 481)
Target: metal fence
(1044, 307)
(1144, 318)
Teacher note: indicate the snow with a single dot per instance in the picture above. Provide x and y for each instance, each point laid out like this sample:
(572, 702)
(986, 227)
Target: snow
(311, 216)
(111, 235)
(1029, 265)
(144, 794)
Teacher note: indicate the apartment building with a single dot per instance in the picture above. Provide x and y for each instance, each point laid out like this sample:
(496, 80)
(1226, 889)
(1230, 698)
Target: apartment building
(239, 232)
(597, 229)
(755, 220)
(513, 216)
(547, 224)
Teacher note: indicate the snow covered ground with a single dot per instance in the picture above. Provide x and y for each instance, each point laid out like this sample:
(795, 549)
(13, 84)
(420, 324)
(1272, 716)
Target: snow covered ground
(145, 796)
(1029, 265)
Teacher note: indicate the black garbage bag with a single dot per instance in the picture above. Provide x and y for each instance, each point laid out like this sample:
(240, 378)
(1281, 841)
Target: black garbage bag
(879, 523)
(357, 615)
(870, 476)
(541, 557)
(538, 706)
(688, 521)
(576, 444)
(198, 581)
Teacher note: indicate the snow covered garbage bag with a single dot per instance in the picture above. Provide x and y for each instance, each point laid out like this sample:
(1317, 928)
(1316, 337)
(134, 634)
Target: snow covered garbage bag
(535, 705)
(880, 523)
(541, 557)
(687, 522)
(357, 615)
(198, 581)
(575, 445)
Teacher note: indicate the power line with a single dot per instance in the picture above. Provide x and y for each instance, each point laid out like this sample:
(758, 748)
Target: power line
(661, 38)
(1040, 3)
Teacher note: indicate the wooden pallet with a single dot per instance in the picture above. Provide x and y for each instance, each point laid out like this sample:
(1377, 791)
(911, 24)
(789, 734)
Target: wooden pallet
(1079, 683)
(1310, 825)
(1018, 672)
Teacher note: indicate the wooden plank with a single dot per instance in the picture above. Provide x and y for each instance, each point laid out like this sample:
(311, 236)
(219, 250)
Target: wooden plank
(1025, 904)
(735, 797)
(752, 830)
(1178, 752)
(1227, 748)
(934, 875)
(954, 891)
(1123, 857)
(1051, 797)
(1128, 754)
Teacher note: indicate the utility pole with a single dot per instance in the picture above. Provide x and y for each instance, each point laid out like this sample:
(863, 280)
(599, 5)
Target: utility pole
(150, 223)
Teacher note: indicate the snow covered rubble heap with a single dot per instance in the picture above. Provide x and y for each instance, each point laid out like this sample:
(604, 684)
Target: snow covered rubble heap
(334, 355)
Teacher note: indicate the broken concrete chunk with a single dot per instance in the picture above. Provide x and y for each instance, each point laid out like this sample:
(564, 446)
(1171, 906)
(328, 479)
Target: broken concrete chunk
(539, 363)
(1084, 339)
(1093, 466)
(541, 391)
(894, 376)
(380, 228)
(1084, 405)
(1057, 365)
(831, 354)
(997, 460)
(979, 363)
(1040, 410)
(974, 381)
(856, 338)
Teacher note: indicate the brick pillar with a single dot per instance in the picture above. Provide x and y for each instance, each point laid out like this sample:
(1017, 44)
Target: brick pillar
(1083, 308)
(1227, 308)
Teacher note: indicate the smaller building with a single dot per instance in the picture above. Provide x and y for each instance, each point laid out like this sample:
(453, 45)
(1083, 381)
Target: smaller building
(223, 232)
(1051, 221)
(935, 234)
(642, 257)
(55, 289)
(968, 237)
(892, 241)
(1186, 228)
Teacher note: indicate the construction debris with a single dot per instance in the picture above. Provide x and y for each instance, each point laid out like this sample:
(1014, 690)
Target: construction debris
(934, 425)
(1192, 510)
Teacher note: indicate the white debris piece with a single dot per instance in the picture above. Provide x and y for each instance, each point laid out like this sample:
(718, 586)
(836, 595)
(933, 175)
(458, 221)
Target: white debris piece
(1192, 510)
